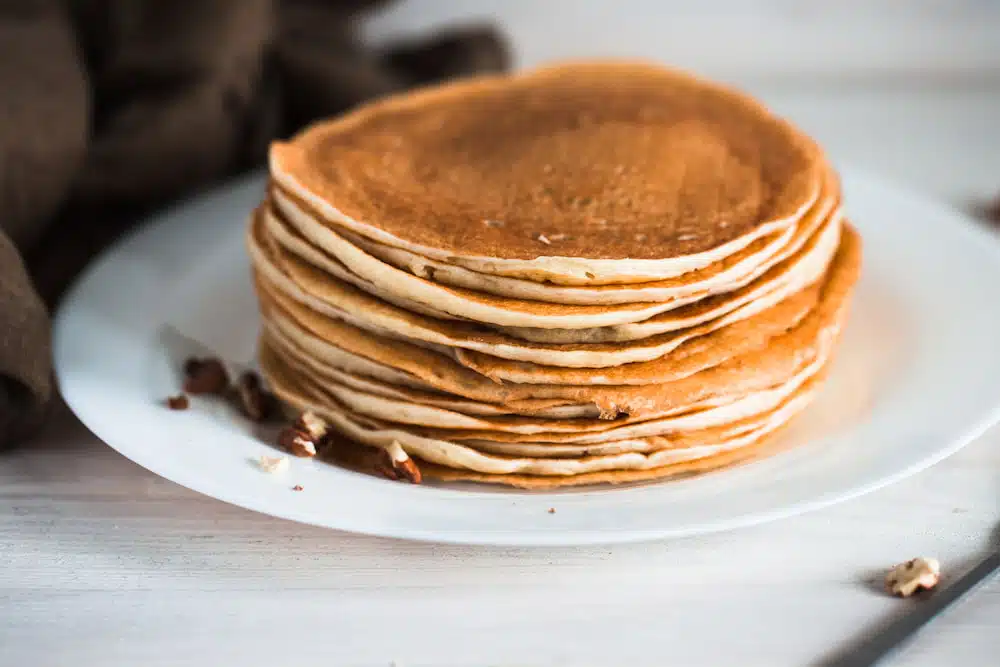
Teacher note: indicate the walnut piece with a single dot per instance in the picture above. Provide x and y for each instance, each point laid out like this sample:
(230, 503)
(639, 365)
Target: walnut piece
(306, 435)
(205, 376)
(907, 578)
(312, 424)
(178, 402)
(272, 464)
(396, 464)
(297, 443)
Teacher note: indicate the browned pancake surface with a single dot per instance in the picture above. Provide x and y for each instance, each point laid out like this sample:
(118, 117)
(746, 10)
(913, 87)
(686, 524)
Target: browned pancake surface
(603, 161)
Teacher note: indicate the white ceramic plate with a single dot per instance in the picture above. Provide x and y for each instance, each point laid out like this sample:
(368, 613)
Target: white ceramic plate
(916, 379)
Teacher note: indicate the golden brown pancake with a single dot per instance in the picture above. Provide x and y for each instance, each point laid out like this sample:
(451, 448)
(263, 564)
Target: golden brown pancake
(731, 272)
(661, 450)
(591, 173)
(307, 284)
(780, 358)
(431, 417)
(642, 452)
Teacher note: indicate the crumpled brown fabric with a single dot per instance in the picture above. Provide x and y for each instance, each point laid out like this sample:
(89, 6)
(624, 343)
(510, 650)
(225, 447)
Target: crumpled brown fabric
(109, 108)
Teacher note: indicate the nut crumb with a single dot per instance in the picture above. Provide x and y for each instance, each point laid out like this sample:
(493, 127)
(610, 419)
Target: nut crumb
(916, 574)
(396, 464)
(313, 425)
(298, 487)
(272, 464)
(205, 376)
(542, 238)
(552, 510)
(178, 402)
(640, 237)
(493, 223)
(687, 237)
(558, 237)
(305, 435)
(297, 443)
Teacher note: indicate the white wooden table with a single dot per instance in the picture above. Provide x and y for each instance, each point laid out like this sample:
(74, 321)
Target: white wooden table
(103, 563)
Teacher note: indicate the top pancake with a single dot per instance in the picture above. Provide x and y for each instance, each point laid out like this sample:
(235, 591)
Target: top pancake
(596, 173)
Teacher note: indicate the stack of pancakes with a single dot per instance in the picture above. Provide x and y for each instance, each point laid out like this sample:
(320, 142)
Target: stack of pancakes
(595, 272)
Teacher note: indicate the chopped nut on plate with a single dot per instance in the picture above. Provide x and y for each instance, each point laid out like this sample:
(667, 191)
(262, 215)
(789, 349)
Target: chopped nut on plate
(205, 376)
(907, 578)
(396, 464)
(298, 487)
(297, 443)
(178, 402)
(273, 464)
(313, 425)
(306, 436)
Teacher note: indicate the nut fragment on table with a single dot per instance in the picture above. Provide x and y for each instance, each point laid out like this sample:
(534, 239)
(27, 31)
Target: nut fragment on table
(396, 464)
(205, 376)
(916, 574)
(273, 464)
(254, 402)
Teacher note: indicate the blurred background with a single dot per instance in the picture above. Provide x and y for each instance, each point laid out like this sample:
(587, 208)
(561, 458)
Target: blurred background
(737, 40)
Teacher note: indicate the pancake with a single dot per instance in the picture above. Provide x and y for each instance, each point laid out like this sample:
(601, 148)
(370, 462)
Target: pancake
(763, 445)
(365, 458)
(732, 272)
(693, 355)
(426, 282)
(644, 361)
(781, 359)
(696, 417)
(446, 423)
(705, 443)
(312, 355)
(307, 365)
(610, 443)
(523, 176)
(351, 264)
(320, 292)
(801, 263)
(582, 437)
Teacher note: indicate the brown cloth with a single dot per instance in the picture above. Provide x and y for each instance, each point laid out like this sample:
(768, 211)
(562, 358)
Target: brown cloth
(111, 107)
